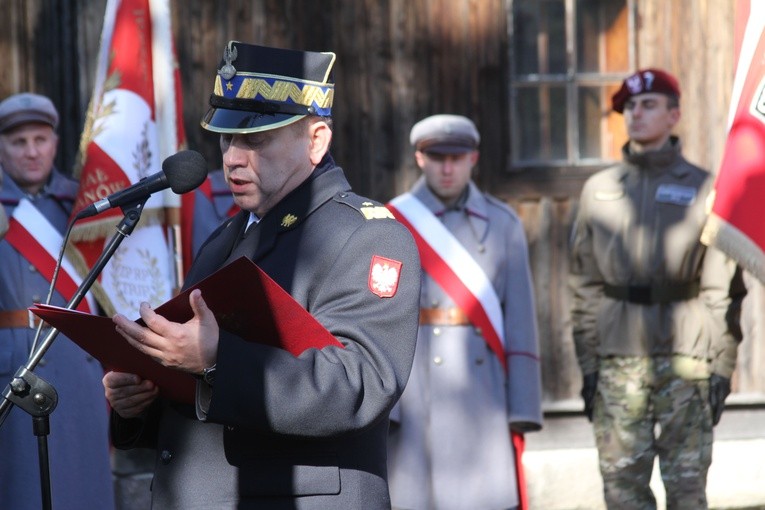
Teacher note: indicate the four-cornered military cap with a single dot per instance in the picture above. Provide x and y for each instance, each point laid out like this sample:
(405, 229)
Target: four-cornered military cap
(259, 88)
(445, 134)
(25, 108)
(642, 82)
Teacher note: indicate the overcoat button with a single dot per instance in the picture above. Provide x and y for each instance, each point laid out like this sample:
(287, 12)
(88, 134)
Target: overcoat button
(165, 457)
(438, 360)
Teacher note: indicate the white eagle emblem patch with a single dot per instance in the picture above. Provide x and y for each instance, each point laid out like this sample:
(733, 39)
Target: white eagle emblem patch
(383, 276)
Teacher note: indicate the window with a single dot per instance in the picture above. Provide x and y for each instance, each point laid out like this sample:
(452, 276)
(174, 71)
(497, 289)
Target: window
(568, 58)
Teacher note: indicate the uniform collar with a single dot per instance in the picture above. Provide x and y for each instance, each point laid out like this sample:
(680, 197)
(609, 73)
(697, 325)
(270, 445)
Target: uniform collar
(659, 160)
(474, 205)
(58, 187)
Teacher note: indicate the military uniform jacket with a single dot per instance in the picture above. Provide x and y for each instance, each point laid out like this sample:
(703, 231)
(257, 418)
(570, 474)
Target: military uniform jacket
(78, 442)
(305, 432)
(450, 446)
(639, 223)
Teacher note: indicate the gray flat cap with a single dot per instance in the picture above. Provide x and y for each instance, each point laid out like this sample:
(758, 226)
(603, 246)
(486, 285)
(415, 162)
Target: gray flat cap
(24, 108)
(445, 134)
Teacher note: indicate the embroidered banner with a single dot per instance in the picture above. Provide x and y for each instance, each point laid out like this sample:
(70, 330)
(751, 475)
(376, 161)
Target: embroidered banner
(133, 124)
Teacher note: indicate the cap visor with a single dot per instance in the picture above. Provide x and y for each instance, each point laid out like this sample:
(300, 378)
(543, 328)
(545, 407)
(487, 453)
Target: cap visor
(447, 149)
(221, 120)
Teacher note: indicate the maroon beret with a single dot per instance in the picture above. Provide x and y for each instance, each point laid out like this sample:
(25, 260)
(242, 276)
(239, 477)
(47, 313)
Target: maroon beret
(642, 82)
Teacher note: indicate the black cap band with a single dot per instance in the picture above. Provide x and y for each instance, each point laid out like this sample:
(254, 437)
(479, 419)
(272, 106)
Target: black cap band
(251, 105)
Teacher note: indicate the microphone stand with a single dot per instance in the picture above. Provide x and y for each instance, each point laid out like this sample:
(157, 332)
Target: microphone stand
(32, 393)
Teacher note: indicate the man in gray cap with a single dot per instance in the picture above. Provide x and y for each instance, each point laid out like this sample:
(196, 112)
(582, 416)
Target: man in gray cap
(476, 375)
(268, 429)
(38, 199)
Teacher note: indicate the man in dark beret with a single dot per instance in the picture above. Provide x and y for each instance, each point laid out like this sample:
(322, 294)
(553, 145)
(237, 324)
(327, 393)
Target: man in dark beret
(475, 387)
(270, 430)
(38, 200)
(649, 305)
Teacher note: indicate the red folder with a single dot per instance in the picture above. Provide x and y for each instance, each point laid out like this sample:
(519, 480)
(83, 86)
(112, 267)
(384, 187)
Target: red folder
(245, 301)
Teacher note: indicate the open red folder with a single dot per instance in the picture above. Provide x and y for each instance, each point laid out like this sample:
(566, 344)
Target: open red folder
(245, 301)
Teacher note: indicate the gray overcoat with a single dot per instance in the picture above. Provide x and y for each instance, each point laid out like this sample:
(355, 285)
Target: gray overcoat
(450, 444)
(78, 442)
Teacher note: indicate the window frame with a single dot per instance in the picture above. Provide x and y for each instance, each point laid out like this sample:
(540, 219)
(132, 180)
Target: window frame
(572, 81)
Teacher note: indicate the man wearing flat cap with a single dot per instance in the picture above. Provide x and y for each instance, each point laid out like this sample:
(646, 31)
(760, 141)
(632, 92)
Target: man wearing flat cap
(649, 305)
(38, 200)
(269, 429)
(456, 434)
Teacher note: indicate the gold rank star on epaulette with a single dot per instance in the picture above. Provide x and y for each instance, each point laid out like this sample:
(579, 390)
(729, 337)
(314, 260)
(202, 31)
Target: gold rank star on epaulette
(373, 212)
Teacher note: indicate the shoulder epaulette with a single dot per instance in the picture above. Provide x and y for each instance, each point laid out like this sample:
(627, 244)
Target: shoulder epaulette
(370, 209)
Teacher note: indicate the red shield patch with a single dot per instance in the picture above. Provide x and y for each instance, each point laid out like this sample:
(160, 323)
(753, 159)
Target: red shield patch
(383, 276)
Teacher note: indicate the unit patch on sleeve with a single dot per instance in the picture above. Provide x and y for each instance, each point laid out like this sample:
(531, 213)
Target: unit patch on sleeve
(383, 276)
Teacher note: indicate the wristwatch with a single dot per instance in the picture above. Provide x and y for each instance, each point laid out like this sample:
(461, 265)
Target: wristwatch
(208, 375)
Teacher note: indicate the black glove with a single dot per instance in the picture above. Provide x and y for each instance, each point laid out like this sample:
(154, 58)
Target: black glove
(719, 389)
(589, 388)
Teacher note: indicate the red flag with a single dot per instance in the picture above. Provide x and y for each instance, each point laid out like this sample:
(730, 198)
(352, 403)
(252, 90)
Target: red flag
(133, 124)
(735, 223)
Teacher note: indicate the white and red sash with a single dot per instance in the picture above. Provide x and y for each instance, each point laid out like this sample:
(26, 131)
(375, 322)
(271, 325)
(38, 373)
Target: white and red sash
(446, 261)
(32, 235)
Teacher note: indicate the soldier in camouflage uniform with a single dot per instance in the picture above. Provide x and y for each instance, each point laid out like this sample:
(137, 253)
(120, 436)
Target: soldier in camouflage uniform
(649, 308)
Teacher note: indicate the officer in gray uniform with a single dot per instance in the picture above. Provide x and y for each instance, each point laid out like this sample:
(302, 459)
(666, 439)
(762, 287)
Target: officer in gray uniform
(649, 307)
(450, 438)
(78, 442)
(271, 430)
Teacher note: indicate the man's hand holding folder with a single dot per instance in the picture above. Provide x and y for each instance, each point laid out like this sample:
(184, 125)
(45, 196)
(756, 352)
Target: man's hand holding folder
(166, 354)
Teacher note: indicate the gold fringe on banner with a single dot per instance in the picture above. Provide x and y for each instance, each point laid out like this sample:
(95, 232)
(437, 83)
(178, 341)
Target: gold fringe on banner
(99, 229)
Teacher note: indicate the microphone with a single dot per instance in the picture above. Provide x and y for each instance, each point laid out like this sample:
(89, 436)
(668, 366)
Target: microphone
(181, 172)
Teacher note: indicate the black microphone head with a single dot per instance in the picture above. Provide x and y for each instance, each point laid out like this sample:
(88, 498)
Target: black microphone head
(185, 171)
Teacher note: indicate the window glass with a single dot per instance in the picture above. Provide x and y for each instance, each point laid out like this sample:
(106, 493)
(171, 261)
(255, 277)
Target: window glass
(561, 103)
(542, 119)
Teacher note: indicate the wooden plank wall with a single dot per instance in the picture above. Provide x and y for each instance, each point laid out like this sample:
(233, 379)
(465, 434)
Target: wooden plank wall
(398, 61)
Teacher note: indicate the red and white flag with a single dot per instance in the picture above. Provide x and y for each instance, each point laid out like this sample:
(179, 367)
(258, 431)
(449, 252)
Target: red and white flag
(134, 122)
(735, 224)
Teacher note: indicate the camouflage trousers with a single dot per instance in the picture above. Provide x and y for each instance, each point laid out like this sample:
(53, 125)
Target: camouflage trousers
(646, 407)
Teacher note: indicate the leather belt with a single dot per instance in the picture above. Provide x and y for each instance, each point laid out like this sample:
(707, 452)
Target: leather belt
(653, 294)
(443, 317)
(18, 319)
